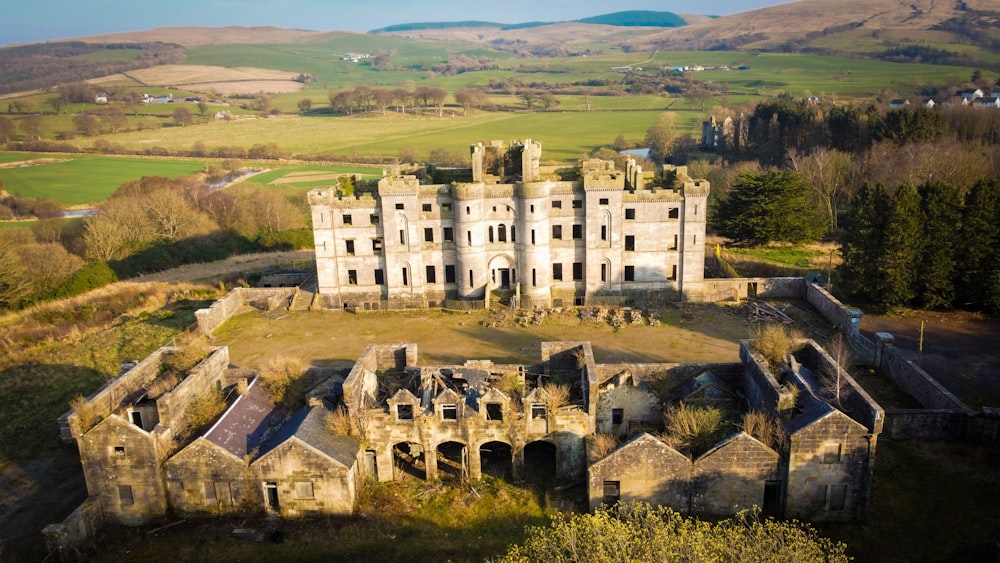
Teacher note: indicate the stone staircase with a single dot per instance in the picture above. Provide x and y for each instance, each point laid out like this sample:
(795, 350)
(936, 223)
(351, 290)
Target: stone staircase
(304, 296)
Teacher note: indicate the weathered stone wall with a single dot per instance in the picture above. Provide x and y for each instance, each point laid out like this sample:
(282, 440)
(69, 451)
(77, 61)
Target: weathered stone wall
(219, 312)
(329, 488)
(731, 477)
(645, 470)
(204, 479)
(853, 398)
(112, 394)
(762, 389)
(917, 382)
(847, 319)
(82, 524)
(121, 463)
(207, 376)
(925, 424)
(739, 289)
(638, 405)
(829, 453)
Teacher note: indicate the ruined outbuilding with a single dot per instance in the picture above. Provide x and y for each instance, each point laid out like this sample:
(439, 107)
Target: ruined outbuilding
(523, 421)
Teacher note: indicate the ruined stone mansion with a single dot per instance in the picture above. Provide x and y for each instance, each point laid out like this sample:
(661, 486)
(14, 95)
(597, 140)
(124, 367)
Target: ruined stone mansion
(407, 420)
(548, 236)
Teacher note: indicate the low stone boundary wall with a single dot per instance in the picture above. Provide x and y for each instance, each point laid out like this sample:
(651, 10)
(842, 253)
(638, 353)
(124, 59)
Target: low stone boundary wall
(219, 312)
(915, 381)
(925, 424)
(82, 524)
(738, 289)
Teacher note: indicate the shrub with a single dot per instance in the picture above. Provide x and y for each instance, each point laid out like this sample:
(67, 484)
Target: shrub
(774, 342)
(91, 276)
(86, 413)
(693, 428)
(281, 379)
(600, 445)
(556, 396)
(764, 427)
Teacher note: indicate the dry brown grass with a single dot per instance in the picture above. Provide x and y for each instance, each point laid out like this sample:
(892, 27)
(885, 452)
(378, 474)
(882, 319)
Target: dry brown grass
(693, 428)
(765, 428)
(600, 445)
(86, 413)
(204, 409)
(556, 396)
(340, 423)
(774, 342)
(281, 379)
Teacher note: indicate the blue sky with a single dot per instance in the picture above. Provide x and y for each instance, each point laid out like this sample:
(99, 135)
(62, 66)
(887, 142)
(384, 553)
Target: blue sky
(24, 21)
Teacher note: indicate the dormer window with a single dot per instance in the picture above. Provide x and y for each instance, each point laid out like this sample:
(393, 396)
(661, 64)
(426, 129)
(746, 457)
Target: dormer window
(494, 411)
(404, 412)
(449, 412)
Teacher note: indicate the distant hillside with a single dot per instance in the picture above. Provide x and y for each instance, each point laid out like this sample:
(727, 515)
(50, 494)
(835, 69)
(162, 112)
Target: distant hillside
(638, 18)
(633, 18)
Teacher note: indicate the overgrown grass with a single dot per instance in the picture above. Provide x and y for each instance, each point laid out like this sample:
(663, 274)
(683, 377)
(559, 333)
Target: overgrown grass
(399, 521)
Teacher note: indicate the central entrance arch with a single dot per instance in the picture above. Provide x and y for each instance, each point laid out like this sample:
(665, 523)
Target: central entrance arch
(502, 271)
(497, 459)
(453, 460)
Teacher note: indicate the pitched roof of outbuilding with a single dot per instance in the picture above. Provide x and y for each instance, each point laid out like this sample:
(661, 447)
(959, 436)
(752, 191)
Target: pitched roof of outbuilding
(242, 427)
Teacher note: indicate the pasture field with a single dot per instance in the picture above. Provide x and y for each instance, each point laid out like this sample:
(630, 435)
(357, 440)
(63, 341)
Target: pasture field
(308, 177)
(82, 180)
(565, 135)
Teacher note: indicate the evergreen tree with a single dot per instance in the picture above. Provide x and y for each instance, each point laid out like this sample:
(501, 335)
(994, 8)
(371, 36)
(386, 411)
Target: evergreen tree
(979, 260)
(941, 215)
(899, 259)
(770, 206)
(864, 237)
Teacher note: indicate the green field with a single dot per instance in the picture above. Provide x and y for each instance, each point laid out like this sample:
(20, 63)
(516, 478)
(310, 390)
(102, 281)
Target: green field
(564, 135)
(81, 180)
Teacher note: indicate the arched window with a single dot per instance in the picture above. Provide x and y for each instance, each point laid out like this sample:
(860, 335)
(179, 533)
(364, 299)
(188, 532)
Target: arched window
(490, 237)
(502, 233)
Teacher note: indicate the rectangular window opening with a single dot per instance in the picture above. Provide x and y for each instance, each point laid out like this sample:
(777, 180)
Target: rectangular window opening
(404, 412)
(426, 207)
(557, 271)
(373, 219)
(402, 236)
(577, 203)
(577, 271)
(210, 495)
(125, 497)
(377, 245)
(617, 416)
(119, 450)
(630, 213)
(538, 410)
(604, 232)
(449, 412)
(428, 234)
(304, 490)
(838, 497)
(612, 492)
(379, 277)
(406, 276)
(577, 232)
(352, 277)
(348, 220)
(349, 245)
(557, 231)
(449, 273)
(494, 411)
(831, 453)
(629, 273)
(674, 213)
(629, 242)
(400, 206)
(431, 275)
(449, 234)
(556, 204)
(603, 201)
(604, 272)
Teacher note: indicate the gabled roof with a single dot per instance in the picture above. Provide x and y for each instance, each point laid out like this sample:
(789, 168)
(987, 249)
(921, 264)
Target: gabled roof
(706, 384)
(241, 428)
(732, 438)
(639, 441)
(308, 426)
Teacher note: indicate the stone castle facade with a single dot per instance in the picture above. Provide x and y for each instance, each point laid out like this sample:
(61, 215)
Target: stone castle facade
(510, 225)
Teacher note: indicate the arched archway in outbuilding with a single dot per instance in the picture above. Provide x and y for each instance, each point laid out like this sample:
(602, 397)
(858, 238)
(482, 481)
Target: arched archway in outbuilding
(540, 463)
(408, 461)
(453, 460)
(497, 459)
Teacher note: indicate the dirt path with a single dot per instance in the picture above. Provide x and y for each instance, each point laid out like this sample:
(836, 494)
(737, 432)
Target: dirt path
(234, 265)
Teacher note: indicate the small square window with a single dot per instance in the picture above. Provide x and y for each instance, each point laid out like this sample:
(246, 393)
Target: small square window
(348, 219)
(119, 450)
(603, 201)
(538, 410)
(612, 492)
(630, 213)
(426, 207)
(304, 491)
(556, 204)
(557, 231)
(373, 219)
(400, 206)
(377, 245)
(617, 416)
(674, 213)
(404, 412)
(831, 453)
(838, 497)
(449, 412)
(125, 497)
(577, 203)
(449, 234)
(494, 411)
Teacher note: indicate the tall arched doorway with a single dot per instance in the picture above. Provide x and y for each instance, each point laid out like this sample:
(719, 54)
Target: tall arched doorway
(497, 459)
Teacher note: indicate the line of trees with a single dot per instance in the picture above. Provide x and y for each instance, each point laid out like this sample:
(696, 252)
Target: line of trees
(934, 246)
(147, 225)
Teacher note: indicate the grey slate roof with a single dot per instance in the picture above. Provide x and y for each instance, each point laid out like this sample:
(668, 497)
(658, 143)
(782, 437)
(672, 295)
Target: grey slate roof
(243, 426)
(308, 425)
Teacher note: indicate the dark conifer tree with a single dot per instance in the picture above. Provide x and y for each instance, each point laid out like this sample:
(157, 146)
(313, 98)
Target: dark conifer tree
(941, 215)
(979, 257)
(864, 237)
(901, 252)
(770, 206)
